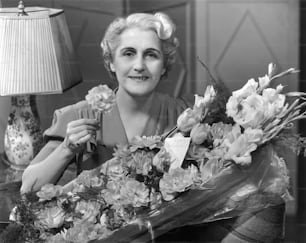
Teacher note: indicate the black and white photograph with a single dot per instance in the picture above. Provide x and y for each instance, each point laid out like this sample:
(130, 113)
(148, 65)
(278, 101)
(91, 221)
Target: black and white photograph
(152, 121)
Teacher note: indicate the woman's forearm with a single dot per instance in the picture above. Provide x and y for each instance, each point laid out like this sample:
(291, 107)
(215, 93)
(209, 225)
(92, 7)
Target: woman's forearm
(46, 167)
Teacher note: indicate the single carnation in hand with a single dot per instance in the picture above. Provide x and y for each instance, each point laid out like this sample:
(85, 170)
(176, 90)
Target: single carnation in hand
(101, 98)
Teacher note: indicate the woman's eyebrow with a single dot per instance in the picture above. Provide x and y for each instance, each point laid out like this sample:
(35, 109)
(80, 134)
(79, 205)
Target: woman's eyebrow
(154, 49)
(127, 49)
(123, 49)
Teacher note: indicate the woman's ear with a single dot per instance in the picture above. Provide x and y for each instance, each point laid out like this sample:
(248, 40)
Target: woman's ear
(112, 67)
(163, 71)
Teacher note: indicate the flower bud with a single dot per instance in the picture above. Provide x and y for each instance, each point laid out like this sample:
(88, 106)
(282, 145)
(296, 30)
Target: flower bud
(187, 120)
(199, 133)
(202, 102)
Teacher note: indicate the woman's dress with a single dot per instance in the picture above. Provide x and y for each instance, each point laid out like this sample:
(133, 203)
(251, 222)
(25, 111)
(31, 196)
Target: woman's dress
(163, 116)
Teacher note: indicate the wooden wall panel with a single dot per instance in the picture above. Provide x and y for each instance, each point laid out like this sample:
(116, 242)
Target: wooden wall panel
(238, 39)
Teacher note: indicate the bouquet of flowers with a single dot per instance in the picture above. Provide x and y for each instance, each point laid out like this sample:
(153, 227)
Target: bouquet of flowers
(222, 158)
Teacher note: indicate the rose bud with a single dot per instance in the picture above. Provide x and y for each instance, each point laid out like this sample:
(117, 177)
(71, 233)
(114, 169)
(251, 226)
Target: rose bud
(199, 133)
(187, 120)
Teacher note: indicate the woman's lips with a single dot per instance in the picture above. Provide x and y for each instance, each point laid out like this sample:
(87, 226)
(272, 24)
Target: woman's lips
(139, 78)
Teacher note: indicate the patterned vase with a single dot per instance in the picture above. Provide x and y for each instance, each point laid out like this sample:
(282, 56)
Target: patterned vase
(23, 136)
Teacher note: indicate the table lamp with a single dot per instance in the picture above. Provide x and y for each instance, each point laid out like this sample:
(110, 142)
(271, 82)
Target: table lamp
(36, 57)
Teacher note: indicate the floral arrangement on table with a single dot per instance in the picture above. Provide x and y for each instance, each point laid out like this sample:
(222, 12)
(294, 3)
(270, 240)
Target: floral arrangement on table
(229, 161)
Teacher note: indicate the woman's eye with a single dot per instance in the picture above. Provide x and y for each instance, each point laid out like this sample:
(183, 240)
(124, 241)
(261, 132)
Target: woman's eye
(152, 55)
(128, 54)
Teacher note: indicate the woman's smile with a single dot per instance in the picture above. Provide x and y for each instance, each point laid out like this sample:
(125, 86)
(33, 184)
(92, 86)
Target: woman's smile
(139, 78)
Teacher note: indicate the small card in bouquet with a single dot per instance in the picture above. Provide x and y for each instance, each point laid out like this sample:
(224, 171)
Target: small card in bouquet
(177, 147)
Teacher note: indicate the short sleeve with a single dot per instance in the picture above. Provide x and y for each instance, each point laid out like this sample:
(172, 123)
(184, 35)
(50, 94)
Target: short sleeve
(57, 131)
(61, 117)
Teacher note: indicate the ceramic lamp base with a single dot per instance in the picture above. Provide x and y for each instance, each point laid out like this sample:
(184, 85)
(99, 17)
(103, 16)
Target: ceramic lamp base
(23, 136)
(9, 172)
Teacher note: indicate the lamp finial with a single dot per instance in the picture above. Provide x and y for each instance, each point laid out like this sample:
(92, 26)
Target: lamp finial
(21, 7)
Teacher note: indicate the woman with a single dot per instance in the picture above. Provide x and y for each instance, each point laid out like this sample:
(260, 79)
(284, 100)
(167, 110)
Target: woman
(138, 52)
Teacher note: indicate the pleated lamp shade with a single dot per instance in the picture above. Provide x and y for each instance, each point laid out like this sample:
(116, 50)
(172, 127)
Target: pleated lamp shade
(36, 57)
(36, 52)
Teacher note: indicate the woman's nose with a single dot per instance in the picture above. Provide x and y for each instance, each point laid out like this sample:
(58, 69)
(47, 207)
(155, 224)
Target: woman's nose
(139, 64)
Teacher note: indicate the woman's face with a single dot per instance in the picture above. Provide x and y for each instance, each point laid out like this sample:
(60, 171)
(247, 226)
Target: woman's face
(138, 61)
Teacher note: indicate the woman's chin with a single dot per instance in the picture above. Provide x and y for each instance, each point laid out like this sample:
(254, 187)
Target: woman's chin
(141, 92)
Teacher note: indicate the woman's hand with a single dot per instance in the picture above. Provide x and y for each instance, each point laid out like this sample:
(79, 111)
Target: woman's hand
(79, 132)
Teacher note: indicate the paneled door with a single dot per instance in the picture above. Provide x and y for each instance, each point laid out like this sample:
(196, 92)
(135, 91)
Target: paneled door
(238, 39)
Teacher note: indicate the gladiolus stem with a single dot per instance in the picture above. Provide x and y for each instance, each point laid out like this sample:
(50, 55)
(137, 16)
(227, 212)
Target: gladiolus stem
(168, 134)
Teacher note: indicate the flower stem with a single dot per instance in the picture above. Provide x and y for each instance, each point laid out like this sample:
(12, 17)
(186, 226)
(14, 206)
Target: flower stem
(170, 133)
